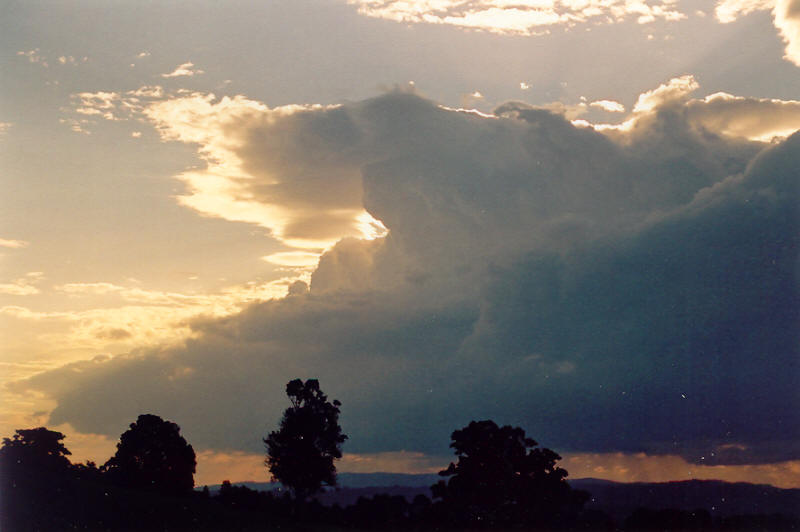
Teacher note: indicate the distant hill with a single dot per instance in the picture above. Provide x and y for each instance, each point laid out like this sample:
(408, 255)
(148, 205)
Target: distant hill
(358, 480)
(721, 499)
(619, 500)
(365, 480)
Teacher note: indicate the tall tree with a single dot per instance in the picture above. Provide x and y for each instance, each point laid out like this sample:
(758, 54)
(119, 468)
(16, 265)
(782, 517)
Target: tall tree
(301, 453)
(502, 478)
(152, 455)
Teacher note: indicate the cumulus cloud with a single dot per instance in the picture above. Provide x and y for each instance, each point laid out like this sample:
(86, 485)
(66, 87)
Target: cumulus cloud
(760, 119)
(786, 17)
(517, 18)
(185, 69)
(753, 118)
(608, 105)
(626, 291)
(674, 91)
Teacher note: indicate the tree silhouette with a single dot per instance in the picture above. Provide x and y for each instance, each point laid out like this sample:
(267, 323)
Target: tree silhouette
(34, 450)
(153, 456)
(502, 478)
(301, 453)
(34, 477)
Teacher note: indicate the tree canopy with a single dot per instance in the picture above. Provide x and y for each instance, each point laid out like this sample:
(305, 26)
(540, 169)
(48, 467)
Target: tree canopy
(35, 473)
(152, 455)
(502, 478)
(37, 450)
(301, 453)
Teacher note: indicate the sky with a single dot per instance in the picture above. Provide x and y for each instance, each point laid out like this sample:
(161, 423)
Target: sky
(575, 216)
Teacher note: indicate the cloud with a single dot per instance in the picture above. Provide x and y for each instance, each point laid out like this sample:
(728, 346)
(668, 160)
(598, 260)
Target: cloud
(146, 91)
(215, 466)
(698, 359)
(18, 288)
(97, 103)
(260, 172)
(472, 99)
(752, 118)
(759, 119)
(728, 11)
(134, 294)
(116, 105)
(294, 259)
(97, 328)
(640, 467)
(185, 69)
(8, 243)
(610, 106)
(674, 91)
(391, 462)
(24, 286)
(89, 107)
(517, 18)
(786, 17)
(34, 57)
(119, 318)
(787, 20)
(621, 291)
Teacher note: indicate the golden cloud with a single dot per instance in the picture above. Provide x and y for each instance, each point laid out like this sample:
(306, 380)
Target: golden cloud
(513, 17)
(304, 202)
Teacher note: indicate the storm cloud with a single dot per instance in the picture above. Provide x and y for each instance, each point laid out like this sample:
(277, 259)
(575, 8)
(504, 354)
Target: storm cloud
(623, 291)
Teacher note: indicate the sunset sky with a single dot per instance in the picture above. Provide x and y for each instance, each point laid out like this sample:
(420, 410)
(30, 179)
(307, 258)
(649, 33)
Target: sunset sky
(575, 216)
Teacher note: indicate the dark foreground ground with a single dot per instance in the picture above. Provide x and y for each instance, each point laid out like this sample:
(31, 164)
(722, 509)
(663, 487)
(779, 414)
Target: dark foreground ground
(673, 506)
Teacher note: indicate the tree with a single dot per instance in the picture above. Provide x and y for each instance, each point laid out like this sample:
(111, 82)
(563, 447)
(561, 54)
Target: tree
(152, 455)
(35, 474)
(301, 453)
(502, 478)
(36, 451)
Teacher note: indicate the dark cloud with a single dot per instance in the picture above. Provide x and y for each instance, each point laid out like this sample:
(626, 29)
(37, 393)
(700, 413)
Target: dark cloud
(628, 293)
(680, 338)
